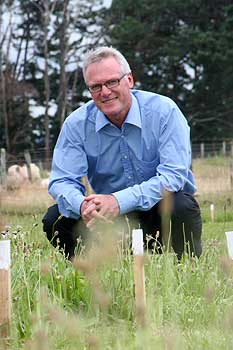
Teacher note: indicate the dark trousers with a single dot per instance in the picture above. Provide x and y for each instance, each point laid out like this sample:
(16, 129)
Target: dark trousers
(185, 225)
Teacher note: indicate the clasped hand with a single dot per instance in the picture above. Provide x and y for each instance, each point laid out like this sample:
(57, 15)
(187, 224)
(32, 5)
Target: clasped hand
(99, 207)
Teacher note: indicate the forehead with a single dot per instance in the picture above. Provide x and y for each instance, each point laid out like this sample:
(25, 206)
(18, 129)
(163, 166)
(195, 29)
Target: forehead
(105, 69)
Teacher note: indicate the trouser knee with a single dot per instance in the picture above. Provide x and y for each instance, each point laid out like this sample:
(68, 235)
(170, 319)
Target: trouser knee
(60, 231)
(49, 220)
(184, 204)
(186, 218)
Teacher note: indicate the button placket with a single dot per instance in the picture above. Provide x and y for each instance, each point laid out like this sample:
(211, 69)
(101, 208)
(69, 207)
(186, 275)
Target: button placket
(127, 166)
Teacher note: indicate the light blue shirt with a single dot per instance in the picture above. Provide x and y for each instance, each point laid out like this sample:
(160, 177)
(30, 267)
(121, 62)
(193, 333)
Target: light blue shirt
(149, 154)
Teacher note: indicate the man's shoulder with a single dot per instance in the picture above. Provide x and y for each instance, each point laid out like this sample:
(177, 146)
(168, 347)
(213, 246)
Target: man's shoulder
(82, 113)
(153, 101)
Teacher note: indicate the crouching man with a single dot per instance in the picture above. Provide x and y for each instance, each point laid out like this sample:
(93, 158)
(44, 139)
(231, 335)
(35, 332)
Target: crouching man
(133, 146)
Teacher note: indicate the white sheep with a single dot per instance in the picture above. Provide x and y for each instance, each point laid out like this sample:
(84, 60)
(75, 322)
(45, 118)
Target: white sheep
(44, 183)
(19, 175)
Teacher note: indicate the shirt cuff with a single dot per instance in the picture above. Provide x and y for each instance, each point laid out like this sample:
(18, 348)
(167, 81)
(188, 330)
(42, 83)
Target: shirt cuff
(71, 208)
(126, 200)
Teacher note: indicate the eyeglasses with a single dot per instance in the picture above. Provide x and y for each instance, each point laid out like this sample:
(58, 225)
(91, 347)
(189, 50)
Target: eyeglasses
(110, 84)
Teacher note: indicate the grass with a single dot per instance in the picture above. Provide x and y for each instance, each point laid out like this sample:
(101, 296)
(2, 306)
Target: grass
(90, 304)
(214, 175)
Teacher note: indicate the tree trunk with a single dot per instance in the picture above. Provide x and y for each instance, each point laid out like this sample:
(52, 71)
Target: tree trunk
(63, 57)
(5, 77)
(46, 19)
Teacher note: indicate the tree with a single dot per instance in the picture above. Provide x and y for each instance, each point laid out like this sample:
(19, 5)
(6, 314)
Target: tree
(49, 39)
(13, 106)
(176, 48)
(60, 32)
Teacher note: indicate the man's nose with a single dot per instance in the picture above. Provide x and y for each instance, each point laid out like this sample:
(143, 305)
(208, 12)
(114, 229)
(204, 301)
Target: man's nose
(105, 90)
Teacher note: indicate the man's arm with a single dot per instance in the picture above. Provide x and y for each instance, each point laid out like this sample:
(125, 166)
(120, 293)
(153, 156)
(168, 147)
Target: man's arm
(68, 167)
(172, 174)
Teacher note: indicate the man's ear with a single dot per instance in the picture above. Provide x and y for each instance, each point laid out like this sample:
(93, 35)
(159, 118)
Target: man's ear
(130, 80)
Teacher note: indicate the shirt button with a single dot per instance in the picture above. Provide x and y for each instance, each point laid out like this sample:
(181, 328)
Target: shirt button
(129, 177)
(125, 157)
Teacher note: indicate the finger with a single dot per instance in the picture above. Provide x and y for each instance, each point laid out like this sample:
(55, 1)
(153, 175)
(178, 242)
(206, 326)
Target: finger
(91, 201)
(97, 202)
(90, 197)
(97, 216)
(93, 215)
(104, 210)
(89, 209)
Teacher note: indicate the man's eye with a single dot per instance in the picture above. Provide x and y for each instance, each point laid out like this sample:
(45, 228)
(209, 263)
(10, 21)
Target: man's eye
(96, 87)
(112, 82)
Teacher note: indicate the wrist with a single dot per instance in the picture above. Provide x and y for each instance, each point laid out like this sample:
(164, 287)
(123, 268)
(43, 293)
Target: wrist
(117, 206)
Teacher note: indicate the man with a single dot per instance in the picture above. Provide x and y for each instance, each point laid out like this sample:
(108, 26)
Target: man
(133, 146)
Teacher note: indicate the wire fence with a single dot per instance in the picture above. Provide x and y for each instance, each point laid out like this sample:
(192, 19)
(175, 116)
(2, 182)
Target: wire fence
(212, 149)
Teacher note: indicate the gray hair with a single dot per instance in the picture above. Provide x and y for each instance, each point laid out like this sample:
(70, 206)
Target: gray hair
(102, 52)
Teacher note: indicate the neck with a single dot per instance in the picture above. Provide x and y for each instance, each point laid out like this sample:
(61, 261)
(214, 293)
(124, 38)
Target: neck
(118, 121)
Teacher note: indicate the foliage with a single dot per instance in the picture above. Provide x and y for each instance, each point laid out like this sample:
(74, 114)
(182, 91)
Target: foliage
(55, 305)
(42, 44)
(90, 304)
(183, 50)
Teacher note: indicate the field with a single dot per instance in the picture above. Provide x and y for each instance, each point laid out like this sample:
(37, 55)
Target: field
(90, 304)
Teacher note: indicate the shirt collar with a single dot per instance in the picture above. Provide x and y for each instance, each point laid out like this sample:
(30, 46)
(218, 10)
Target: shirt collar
(101, 121)
(133, 117)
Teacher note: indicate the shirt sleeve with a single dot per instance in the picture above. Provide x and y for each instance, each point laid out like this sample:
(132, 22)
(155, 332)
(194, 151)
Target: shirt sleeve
(172, 171)
(68, 166)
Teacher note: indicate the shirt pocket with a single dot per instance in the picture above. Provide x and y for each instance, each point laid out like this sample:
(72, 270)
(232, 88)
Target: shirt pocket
(146, 169)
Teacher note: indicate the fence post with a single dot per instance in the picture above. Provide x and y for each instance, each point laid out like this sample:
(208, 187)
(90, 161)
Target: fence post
(224, 148)
(231, 175)
(3, 167)
(231, 145)
(28, 160)
(202, 150)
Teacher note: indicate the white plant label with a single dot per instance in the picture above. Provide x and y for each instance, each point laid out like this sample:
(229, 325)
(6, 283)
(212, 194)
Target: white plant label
(229, 236)
(137, 241)
(5, 258)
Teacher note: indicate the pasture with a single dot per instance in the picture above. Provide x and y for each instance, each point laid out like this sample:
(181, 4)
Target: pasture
(90, 304)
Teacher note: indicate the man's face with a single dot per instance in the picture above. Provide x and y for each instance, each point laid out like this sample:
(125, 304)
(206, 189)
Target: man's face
(114, 102)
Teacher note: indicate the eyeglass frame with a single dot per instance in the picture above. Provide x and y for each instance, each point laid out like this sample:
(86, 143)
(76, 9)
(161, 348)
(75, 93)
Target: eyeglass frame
(100, 86)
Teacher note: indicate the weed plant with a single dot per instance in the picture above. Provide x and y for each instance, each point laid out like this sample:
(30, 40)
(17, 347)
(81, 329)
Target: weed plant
(90, 304)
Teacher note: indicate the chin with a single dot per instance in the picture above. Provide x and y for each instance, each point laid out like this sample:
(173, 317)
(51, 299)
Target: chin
(111, 112)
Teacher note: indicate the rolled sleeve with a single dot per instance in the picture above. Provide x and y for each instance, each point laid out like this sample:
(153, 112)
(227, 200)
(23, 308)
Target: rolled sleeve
(126, 200)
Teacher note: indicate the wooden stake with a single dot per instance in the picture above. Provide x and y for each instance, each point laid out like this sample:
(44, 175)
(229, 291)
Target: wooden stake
(3, 167)
(28, 160)
(139, 277)
(5, 289)
(231, 172)
(166, 208)
(212, 212)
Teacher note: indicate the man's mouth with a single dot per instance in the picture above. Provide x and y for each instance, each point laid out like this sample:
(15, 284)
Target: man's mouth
(109, 100)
